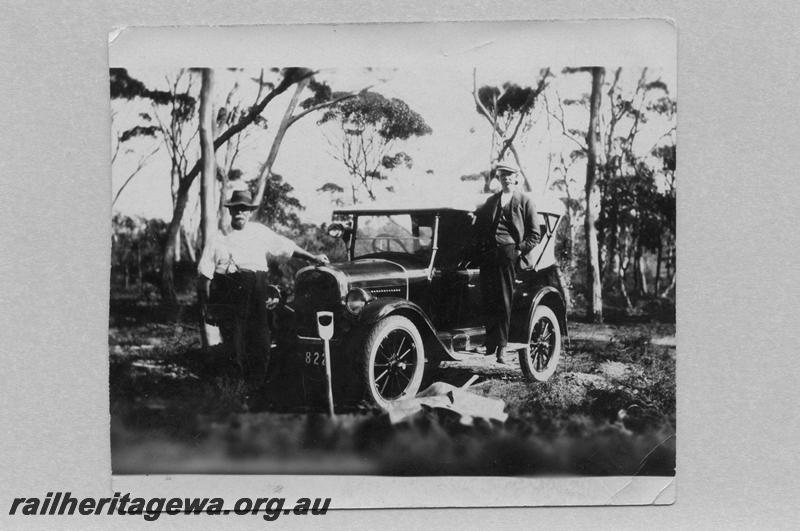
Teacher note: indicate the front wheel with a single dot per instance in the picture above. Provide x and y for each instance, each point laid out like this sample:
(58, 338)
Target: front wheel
(394, 361)
(540, 359)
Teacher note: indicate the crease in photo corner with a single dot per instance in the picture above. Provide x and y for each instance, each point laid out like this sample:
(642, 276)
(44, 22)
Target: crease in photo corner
(664, 496)
(115, 33)
(631, 480)
(668, 492)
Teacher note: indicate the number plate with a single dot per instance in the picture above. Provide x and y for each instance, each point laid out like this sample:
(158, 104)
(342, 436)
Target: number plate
(311, 357)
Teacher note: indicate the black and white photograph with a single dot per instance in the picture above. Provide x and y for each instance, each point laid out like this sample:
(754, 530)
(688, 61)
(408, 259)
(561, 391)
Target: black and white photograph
(362, 264)
(465, 269)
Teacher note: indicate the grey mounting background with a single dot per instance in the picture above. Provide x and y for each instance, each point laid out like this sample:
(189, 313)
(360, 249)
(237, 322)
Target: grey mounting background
(737, 218)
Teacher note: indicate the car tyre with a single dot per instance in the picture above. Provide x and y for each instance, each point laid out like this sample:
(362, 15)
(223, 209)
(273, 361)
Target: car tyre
(393, 357)
(540, 359)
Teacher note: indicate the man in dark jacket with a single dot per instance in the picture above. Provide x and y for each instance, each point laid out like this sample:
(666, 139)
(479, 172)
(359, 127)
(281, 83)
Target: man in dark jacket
(506, 230)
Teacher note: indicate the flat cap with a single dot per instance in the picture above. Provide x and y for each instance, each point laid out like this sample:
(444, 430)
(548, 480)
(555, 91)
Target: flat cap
(506, 168)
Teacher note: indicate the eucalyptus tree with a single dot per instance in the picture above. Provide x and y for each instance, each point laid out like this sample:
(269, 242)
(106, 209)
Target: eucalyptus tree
(363, 132)
(180, 136)
(509, 112)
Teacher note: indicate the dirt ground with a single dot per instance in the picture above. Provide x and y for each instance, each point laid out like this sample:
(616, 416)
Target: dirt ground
(608, 410)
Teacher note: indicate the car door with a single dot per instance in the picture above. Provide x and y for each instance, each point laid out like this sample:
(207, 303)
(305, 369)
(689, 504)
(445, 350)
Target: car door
(456, 281)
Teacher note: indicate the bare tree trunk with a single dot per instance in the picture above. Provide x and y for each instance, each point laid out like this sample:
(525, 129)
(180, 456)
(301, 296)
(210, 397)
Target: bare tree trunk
(526, 184)
(139, 270)
(573, 233)
(612, 255)
(623, 288)
(672, 284)
(594, 285)
(178, 248)
(641, 269)
(636, 270)
(175, 242)
(276, 144)
(658, 267)
(570, 224)
(208, 208)
(168, 260)
(670, 272)
(223, 215)
(565, 287)
(181, 196)
(570, 238)
(208, 218)
(190, 246)
(670, 262)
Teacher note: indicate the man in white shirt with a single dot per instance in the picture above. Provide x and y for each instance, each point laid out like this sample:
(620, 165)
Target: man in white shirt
(233, 270)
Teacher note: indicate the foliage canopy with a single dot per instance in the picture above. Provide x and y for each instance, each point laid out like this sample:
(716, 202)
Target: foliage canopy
(391, 118)
(366, 127)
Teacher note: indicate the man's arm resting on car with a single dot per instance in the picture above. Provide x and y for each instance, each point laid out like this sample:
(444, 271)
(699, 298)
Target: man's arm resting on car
(321, 259)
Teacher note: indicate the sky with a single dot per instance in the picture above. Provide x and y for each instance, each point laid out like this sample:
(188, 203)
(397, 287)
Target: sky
(459, 144)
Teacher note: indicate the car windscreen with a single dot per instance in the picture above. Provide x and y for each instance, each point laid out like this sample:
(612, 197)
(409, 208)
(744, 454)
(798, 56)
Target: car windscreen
(398, 233)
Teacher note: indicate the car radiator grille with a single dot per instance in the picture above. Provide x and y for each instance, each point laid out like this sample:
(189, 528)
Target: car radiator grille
(315, 291)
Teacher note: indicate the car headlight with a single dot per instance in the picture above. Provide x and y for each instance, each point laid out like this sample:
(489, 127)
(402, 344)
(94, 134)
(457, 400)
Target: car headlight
(355, 300)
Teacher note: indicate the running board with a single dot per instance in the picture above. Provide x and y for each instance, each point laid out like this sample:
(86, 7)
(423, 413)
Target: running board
(512, 349)
(463, 343)
(462, 339)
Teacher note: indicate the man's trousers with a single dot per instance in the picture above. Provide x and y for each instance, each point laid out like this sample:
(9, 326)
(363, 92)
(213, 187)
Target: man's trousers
(249, 332)
(497, 289)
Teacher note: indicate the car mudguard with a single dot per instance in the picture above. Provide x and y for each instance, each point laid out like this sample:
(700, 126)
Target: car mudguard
(551, 293)
(377, 309)
(548, 295)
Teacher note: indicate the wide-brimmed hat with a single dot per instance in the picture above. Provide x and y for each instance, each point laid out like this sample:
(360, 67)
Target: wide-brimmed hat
(505, 167)
(241, 198)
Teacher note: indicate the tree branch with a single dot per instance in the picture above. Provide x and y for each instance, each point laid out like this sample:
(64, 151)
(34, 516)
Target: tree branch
(613, 87)
(658, 140)
(250, 117)
(266, 169)
(322, 106)
(139, 167)
(260, 87)
(510, 139)
(116, 150)
(246, 120)
(481, 108)
(564, 131)
(526, 185)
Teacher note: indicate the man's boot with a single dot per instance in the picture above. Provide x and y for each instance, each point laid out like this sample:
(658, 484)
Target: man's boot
(500, 359)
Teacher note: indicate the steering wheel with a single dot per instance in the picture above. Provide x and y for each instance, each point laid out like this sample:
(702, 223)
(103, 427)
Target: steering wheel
(391, 239)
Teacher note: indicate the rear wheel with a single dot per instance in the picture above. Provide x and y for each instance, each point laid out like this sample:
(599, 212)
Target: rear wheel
(394, 360)
(540, 359)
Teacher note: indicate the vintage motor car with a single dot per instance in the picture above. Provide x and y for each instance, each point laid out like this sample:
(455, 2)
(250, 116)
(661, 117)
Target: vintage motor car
(408, 297)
